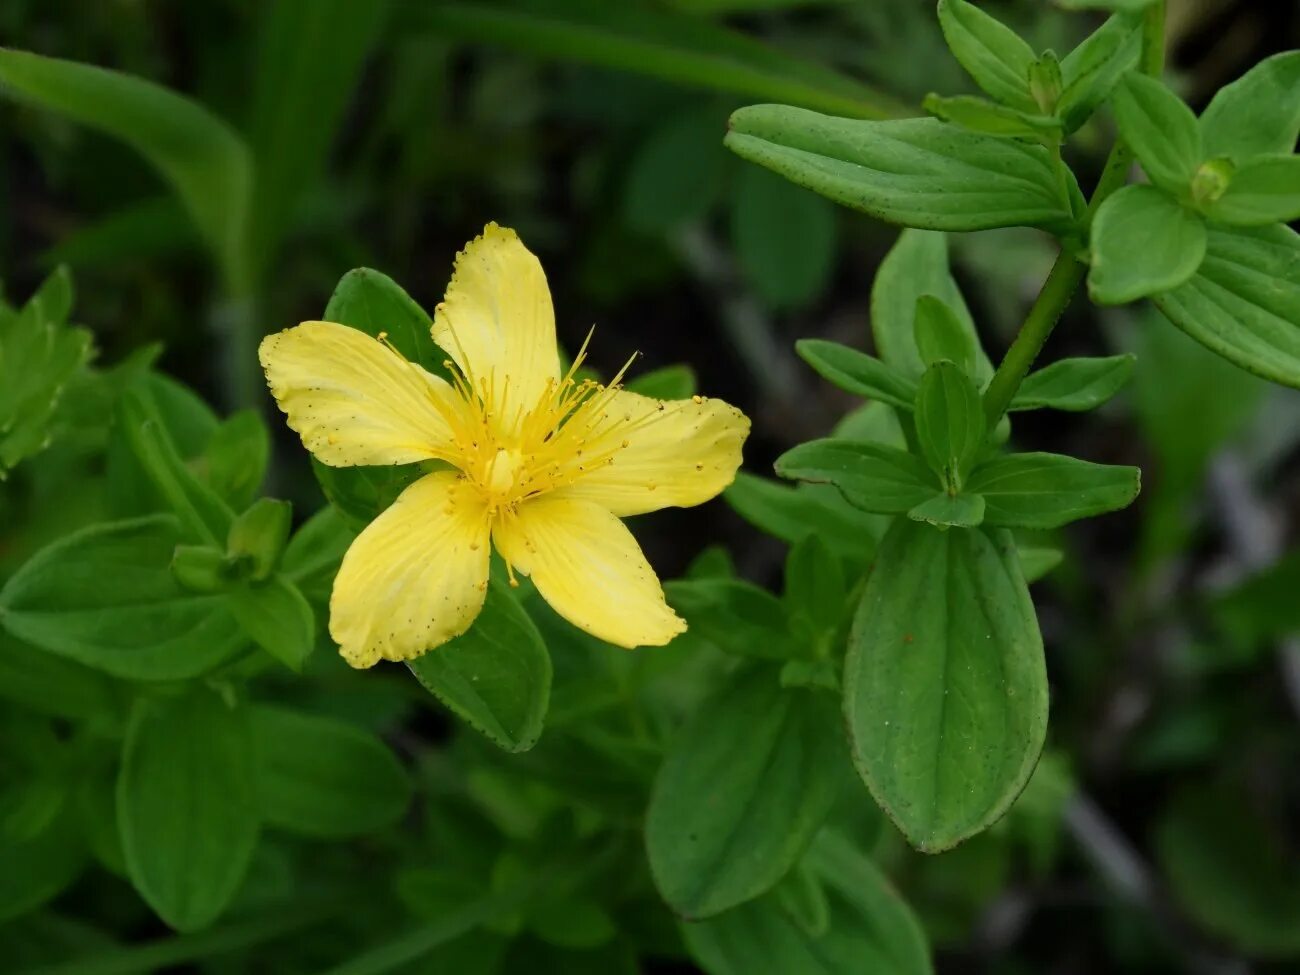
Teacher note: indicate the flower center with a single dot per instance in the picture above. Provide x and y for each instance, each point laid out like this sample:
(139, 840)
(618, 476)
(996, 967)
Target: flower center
(502, 474)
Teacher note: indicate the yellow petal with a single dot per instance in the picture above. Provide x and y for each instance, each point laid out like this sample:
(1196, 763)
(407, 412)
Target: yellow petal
(416, 576)
(587, 565)
(652, 454)
(497, 323)
(355, 401)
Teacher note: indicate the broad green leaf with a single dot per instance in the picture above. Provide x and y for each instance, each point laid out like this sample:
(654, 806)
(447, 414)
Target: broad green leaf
(950, 423)
(856, 372)
(312, 556)
(673, 47)
(815, 586)
(991, 52)
(187, 804)
(941, 334)
(790, 513)
(39, 355)
(204, 160)
(1160, 129)
(872, 476)
(309, 59)
(980, 115)
(743, 790)
(1143, 242)
(48, 684)
(1230, 870)
(677, 174)
(1091, 70)
(1040, 490)
(496, 676)
(1074, 384)
(667, 382)
(104, 597)
(275, 615)
(736, 616)
(1258, 113)
(870, 927)
(945, 662)
(1264, 189)
(950, 511)
(237, 456)
(373, 302)
(36, 868)
(784, 237)
(362, 493)
(324, 777)
(913, 172)
(1244, 301)
(917, 265)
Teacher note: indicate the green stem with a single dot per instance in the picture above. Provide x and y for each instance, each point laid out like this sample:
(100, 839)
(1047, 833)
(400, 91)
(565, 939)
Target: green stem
(1068, 271)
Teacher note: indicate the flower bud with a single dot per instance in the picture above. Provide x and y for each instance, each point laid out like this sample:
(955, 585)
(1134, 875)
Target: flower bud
(258, 536)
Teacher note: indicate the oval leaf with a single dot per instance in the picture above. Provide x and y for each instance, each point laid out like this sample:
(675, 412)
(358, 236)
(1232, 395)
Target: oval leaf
(871, 476)
(1074, 384)
(1039, 490)
(856, 372)
(1143, 242)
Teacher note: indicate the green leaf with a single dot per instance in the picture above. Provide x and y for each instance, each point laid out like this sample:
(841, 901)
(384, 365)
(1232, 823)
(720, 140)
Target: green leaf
(743, 790)
(257, 538)
(1160, 129)
(950, 511)
(373, 302)
(1039, 490)
(950, 423)
(275, 616)
(945, 662)
(187, 804)
(815, 586)
(39, 354)
(941, 334)
(736, 616)
(1125, 6)
(790, 514)
(1143, 242)
(496, 675)
(982, 116)
(324, 777)
(674, 47)
(871, 476)
(36, 868)
(856, 372)
(784, 238)
(1263, 190)
(1074, 384)
(309, 59)
(48, 684)
(1229, 869)
(312, 556)
(667, 382)
(104, 597)
(237, 456)
(870, 927)
(1038, 560)
(204, 160)
(992, 53)
(1258, 113)
(1263, 606)
(1092, 69)
(914, 172)
(917, 265)
(1243, 303)
(803, 900)
(677, 174)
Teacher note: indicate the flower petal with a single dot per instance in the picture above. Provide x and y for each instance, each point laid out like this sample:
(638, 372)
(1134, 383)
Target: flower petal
(417, 575)
(497, 323)
(678, 453)
(355, 401)
(587, 565)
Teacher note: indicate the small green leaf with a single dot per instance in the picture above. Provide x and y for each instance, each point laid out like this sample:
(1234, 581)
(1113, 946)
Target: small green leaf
(1038, 560)
(105, 597)
(1160, 129)
(857, 372)
(940, 334)
(950, 423)
(1244, 301)
(950, 511)
(187, 804)
(992, 53)
(237, 456)
(1040, 490)
(871, 476)
(980, 115)
(275, 616)
(1074, 384)
(945, 662)
(736, 616)
(743, 790)
(36, 868)
(1143, 242)
(677, 174)
(496, 675)
(1258, 113)
(815, 587)
(790, 513)
(803, 900)
(913, 172)
(324, 777)
(257, 537)
(1045, 82)
(48, 684)
(1092, 69)
(312, 556)
(373, 302)
(202, 568)
(1264, 189)
(1124, 6)
(667, 382)
(1263, 606)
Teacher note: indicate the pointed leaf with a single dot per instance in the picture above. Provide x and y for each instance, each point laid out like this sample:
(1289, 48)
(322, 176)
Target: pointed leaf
(950, 511)
(1038, 490)
(871, 476)
(950, 422)
(1263, 190)
(991, 52)
(1092, 69)
(1256, 114)
(940, 334)
(1160, 129)
(1074, 384)
(275, 615)
(857, 372)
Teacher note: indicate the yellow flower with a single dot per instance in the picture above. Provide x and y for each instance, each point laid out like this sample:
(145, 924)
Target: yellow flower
(545, 466)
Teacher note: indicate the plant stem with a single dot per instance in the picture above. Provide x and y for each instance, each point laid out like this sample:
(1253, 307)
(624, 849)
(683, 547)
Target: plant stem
(1068, 270)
